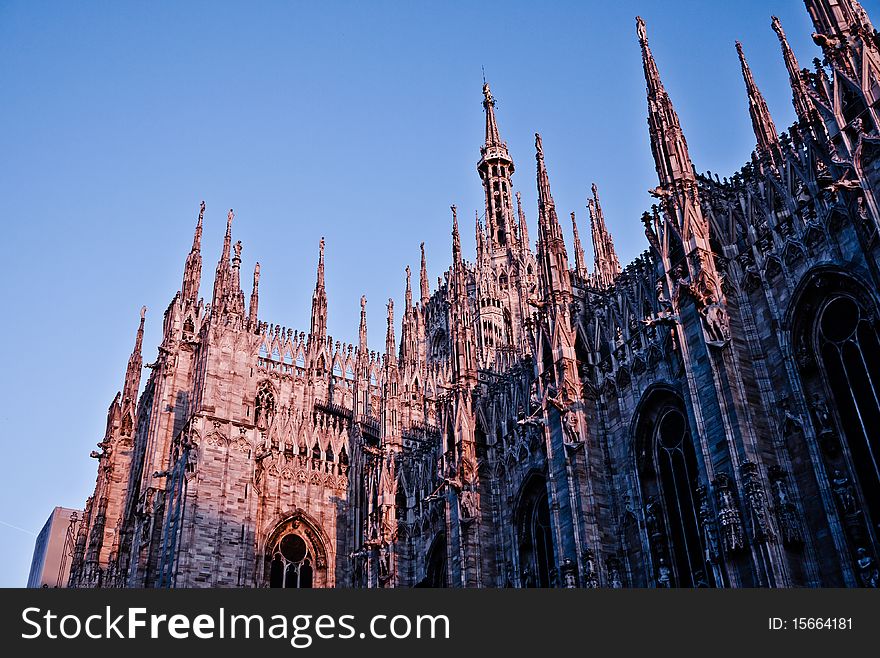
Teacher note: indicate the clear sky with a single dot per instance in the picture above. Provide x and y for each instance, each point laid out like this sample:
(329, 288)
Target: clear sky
(360, 122)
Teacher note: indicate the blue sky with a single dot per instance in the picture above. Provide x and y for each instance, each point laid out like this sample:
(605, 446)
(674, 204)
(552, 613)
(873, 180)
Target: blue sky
(360, 122)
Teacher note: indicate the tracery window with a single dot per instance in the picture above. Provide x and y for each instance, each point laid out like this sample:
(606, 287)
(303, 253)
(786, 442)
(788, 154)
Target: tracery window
(292, 563)
(676, 468)
(669, 480)
(849, 352)
(264, 406)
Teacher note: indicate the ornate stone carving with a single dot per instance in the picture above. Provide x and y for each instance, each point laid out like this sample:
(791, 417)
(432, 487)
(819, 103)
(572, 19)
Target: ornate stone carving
(708, 526)
(784, 508)
(756, 503)
(729, 519)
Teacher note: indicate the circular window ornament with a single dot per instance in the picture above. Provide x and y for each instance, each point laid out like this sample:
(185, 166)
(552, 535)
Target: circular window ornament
(293, 548)
(840, 317)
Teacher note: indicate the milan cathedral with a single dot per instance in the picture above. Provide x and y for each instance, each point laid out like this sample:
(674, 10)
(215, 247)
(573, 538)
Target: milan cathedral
(699, 418)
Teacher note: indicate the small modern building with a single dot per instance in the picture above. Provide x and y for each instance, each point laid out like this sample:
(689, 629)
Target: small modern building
(54, 548)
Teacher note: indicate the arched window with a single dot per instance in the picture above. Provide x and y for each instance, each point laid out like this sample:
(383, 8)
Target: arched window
(438, 345)
(834, 325)
(669, 479)
(264, 406)
(676, 467)
(435, 564)
(292, 563)
(849, 351)
(296, 555)
(535, 535)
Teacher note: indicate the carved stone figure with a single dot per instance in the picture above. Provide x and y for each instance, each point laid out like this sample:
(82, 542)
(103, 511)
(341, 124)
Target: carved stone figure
(591, 578)
(707, 525)
(843, 491)
(569, 574)
(664, 575)
(867, 568)
(786, 513)
(821, 415)
(715, 323)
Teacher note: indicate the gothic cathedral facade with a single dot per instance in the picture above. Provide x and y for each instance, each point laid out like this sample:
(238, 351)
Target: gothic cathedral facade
(699, 418)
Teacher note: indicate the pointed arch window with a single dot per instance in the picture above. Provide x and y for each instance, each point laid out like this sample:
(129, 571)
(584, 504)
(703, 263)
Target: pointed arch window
(435, 564)
(292, 563)
(676, 466)
(669, 479)
(535, 535)
(849, 353)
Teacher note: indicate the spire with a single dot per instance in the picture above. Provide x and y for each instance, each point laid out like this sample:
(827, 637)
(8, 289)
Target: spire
(227, 240)
(389, 334)
(222, 274)
(253, 309)
(546, 206)
(545, 198)
(408, 340)
(456, 240)
(578, 249)
(463, 355)
(479, 236)
(523, 225)
(671, 157)
(606, 263)
(197, 237)
(135, 364)
(495, 168)
(408, 296)
(553, 257)
(762, 122)
(423, 278)
(492, 136)
(235, 297)
(236, 266)
(192, 271)
(800, 98)
(362, 331)
(319, 301)
(675, 171)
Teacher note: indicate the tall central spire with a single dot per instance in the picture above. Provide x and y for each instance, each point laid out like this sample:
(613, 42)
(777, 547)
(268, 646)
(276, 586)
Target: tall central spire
(319, 301)
(762, 122)
(492, 136)
(495, 168)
